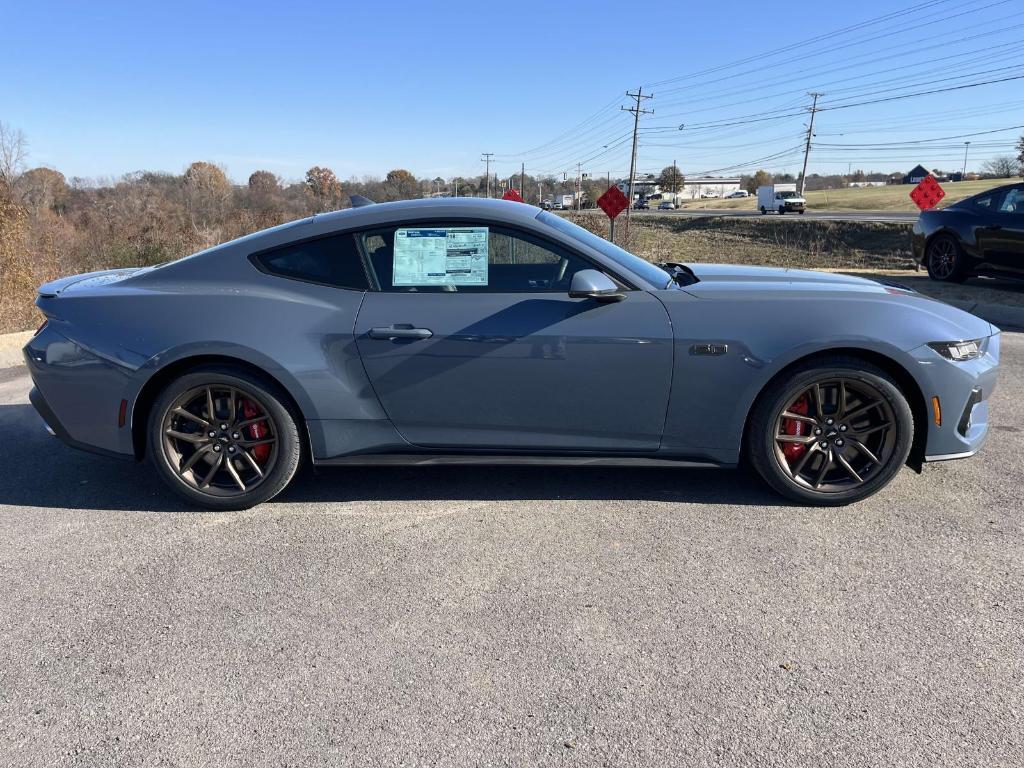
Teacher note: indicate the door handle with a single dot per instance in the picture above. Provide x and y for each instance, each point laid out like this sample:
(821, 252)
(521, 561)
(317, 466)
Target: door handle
(401, 332)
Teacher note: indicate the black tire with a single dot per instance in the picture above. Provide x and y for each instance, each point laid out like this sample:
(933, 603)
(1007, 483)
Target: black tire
(944, 259)
(276, 415)
(764, 211)
(782, 211)
(766, 452)
(801, 211)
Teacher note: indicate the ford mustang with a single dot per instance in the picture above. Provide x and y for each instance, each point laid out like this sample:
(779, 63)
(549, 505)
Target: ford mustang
(491, 332)
(982, 235)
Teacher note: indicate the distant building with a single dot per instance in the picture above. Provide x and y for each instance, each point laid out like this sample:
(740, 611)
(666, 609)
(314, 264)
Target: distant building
(856, 184)
(693, 189)
(916, 176)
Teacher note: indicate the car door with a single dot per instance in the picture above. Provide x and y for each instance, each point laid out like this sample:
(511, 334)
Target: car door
(471, 341)
(1001, 235)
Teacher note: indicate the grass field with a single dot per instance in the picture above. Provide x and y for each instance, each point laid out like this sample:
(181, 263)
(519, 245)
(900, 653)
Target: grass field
(890, 198)
(772, 241)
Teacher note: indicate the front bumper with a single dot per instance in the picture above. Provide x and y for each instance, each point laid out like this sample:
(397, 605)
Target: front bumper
(963, 390)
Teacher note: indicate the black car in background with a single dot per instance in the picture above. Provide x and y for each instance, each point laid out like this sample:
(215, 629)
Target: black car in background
(982, 235)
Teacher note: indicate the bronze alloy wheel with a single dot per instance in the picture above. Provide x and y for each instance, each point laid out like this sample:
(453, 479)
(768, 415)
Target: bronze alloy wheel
(219, 439)
(830, 431)
(835, 435)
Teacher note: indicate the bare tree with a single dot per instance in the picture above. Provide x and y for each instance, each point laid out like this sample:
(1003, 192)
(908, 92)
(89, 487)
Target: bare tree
(13, 151)
(1001, 167)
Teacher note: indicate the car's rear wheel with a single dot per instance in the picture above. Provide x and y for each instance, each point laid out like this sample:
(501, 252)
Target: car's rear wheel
(832, 432)
(945, 260)
(764, 211)
(223, 438)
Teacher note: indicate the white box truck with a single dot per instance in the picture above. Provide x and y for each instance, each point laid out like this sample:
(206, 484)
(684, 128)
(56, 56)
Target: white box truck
(781, 198)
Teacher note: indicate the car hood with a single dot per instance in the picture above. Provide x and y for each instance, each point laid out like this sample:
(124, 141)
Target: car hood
(717, 277)
(743, 283)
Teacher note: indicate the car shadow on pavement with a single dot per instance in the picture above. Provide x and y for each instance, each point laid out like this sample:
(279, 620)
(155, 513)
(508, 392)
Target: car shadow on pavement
(511, 483)
(37, 470)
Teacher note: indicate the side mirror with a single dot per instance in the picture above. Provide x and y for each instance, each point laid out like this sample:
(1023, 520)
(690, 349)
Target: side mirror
(591, 284)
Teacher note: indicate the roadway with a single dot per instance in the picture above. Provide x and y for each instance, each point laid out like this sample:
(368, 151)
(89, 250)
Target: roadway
(510, 616)
(874, 216)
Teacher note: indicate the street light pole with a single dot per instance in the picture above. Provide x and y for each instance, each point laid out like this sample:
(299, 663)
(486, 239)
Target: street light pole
(963, 173)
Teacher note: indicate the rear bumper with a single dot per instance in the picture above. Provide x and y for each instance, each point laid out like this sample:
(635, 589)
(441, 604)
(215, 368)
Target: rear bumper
(78, 395)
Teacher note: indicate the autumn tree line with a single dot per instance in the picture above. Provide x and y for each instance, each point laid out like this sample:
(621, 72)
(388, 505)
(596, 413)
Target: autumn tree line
(52, 226)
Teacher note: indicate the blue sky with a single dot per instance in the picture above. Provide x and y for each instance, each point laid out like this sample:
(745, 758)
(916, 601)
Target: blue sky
(108, 88)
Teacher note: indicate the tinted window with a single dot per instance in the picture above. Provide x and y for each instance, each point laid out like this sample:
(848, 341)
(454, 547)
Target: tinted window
(985, 202)
(467, 258)
(329, 260)
(1013, 201)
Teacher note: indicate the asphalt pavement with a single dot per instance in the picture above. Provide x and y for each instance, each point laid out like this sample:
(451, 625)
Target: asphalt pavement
(510, 616)
(875, 216)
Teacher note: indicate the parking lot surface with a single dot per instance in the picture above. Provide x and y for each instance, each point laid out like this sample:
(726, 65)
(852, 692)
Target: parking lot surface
(510, 616)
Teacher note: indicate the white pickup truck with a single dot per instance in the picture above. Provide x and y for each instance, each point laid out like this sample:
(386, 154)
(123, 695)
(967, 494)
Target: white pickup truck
(781, 198)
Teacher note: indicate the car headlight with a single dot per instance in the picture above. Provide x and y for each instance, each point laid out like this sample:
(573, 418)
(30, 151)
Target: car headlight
(958, 350)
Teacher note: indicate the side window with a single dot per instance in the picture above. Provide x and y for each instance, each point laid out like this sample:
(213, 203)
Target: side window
(330, 261)
(986, 202)
(1013, 201)
(467, 258)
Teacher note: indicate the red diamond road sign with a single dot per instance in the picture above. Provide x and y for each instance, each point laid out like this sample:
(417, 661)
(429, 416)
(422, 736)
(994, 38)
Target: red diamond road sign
(927, 194)
(613, 202)
(512, 194)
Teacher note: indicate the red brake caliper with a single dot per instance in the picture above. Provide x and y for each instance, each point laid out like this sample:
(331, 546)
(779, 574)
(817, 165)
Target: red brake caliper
(256, 431)
(794, 451)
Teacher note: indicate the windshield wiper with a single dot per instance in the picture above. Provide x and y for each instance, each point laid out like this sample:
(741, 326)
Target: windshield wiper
(680, 273)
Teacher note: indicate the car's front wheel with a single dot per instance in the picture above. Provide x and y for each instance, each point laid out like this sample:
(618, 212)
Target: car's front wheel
(832, 432)
(223, 438)
(945, 260)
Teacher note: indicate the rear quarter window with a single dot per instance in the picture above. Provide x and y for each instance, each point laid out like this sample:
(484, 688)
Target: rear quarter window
(332, 261)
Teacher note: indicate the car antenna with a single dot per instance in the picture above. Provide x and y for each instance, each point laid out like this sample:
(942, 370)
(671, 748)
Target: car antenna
(358, 201)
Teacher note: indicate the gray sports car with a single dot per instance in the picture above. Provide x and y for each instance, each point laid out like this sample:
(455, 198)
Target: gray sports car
(489, 332)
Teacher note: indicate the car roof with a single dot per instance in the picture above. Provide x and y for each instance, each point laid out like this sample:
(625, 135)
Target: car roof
(382, 214)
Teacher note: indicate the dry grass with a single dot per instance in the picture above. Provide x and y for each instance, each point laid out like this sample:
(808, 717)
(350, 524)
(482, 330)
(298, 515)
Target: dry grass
(890, 198)
(774, 241)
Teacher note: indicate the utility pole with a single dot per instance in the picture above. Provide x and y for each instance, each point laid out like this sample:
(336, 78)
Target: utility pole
(522, 180)
(675, 187)
(579, 187)
(810, 132)
(637, 111)
(487, 159)
(963, 174)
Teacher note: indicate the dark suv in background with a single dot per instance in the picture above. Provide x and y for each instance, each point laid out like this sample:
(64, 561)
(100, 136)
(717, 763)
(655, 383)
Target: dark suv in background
(982, 235)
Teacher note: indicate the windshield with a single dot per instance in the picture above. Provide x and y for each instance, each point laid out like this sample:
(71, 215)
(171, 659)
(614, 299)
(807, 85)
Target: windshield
(649, 272)
(787, 194)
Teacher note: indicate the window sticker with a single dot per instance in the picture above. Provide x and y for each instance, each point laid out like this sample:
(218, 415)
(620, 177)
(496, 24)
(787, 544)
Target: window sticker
(440, 256)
